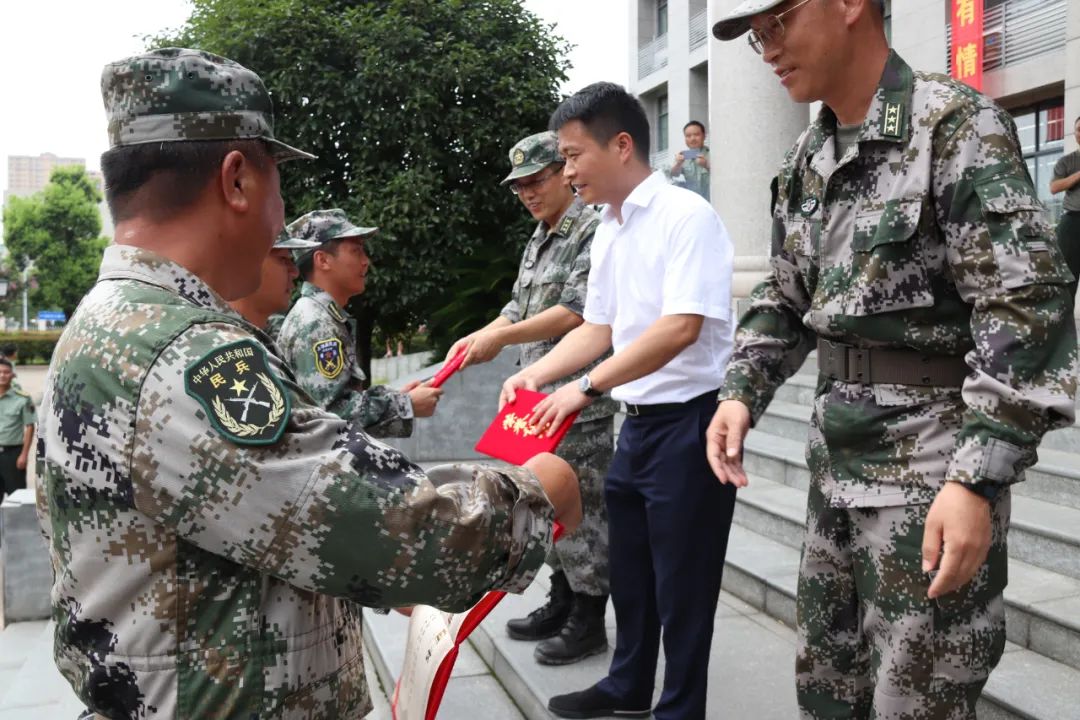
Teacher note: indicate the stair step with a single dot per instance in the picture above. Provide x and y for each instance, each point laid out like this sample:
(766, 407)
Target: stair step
(1043, 606)
(1054, 478)
(38, 689)
(1025, 686)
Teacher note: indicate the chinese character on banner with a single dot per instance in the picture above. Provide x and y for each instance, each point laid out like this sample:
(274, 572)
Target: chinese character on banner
(967, 41)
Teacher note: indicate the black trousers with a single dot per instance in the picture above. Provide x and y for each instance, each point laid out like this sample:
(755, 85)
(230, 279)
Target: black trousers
(668, 523)
(12, 478)
(1068, 237)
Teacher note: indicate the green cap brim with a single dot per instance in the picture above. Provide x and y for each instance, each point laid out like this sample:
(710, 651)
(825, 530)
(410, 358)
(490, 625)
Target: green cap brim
(524, 171)
(291, 243)
(284, 153)
(737, 22)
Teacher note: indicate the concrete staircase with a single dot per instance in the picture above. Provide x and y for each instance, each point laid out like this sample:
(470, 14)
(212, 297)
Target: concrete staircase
(1039, 676)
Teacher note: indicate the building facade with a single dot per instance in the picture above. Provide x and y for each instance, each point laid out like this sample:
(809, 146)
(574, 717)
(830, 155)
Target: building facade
(1031, 66)
(28, 174)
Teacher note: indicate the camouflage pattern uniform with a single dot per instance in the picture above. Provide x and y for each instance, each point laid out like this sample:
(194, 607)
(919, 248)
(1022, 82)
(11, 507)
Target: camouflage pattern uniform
(554, 270)
(202, 553)
(926, 235)
(317, 340)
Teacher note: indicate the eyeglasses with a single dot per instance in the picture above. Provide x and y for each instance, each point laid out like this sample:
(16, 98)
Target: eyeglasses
(772, 30)
(519, 186)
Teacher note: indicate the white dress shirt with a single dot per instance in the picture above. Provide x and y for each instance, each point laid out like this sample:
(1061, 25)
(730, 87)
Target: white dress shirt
(670, 256)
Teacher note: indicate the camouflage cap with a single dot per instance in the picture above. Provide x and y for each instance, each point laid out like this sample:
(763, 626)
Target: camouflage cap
(284, 242)
(176, 94)
(322, 226)
(737, 22)
(532, 155)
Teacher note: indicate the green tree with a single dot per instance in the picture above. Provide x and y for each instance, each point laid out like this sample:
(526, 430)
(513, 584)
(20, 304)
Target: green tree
(411, 106)
(58, 230)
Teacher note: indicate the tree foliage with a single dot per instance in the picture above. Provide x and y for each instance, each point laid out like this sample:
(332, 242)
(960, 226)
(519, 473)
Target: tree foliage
(58, 230)
(411, 106)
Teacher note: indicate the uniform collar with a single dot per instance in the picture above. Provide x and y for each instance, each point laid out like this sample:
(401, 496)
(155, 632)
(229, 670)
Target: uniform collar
(323, 298)
(889, 117)
(566, 222)
(134, 263)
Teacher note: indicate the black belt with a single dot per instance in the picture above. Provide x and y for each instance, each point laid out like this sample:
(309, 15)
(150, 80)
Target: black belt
(848, 363)
(633, 410)
(5, 448)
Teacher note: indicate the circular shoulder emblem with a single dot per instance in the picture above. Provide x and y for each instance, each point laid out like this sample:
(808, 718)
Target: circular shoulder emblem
(809, 205)
(243, 399)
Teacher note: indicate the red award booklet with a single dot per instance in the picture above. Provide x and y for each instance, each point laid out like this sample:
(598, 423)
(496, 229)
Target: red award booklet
(511, 436)
(452, 366)
(433, 645)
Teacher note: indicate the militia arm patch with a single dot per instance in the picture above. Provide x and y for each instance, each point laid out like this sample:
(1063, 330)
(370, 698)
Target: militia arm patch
(242, 397)
(329, 357)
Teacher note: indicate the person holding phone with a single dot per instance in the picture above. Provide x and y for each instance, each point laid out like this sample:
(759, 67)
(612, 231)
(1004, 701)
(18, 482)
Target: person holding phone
(693, 162)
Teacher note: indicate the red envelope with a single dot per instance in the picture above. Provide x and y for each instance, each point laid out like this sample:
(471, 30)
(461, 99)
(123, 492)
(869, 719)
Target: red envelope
(452, 365)
(512, 438)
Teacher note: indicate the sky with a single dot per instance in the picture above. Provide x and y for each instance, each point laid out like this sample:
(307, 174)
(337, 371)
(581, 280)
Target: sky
(52, 52)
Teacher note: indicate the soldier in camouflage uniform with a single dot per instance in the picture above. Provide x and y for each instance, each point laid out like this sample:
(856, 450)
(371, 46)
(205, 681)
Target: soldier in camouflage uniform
(206, 522)
(317, 336)
(547, 301)
(908, 245)
(275, 285)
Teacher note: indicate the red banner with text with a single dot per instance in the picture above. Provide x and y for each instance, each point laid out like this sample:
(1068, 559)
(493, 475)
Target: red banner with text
(967, 42)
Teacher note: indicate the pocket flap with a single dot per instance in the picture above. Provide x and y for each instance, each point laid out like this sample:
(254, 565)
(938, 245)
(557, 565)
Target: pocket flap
(1006, 194)
(897, 222)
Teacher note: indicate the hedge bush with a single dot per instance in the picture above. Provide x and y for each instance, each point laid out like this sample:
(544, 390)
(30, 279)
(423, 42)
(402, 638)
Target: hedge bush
(34, 346)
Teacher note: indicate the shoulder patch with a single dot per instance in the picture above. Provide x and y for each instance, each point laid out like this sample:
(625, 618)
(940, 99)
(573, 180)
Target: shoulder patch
(243, 399)
(329, 357)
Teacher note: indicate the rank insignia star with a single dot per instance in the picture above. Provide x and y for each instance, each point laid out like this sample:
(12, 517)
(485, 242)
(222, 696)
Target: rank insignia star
(243, 399)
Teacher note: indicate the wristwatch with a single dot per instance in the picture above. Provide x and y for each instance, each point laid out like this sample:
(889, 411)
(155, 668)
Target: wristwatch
(584, 384)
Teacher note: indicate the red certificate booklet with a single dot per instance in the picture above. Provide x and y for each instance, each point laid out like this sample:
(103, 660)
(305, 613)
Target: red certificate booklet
(513, 438)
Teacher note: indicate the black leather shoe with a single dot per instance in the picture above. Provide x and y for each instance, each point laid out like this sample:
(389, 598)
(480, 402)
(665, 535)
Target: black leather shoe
(595, 703)
(582, 635)
(548, 619)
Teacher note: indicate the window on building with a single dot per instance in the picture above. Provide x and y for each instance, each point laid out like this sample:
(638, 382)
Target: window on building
(661, 123)
(1042, 140)
(661, 17)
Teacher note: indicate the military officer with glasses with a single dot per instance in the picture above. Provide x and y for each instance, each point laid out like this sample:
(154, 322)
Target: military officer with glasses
(910, 249)
(547, 301)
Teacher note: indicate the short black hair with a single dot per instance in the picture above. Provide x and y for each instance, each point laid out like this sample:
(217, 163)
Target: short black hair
(5, 361)
(695, 122)
(307, 265)
(606, 109)
(1077, 120)
(9, 349)
(179, 172)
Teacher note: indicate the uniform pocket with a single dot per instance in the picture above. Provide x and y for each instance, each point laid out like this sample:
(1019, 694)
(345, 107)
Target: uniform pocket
(888, 269)
(1023, 242)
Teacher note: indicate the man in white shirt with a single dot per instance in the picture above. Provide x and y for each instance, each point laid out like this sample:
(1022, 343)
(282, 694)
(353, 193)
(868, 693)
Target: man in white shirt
(659, 294)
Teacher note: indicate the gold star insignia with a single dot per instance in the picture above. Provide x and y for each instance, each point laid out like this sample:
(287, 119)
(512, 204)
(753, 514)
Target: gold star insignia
(239, 387)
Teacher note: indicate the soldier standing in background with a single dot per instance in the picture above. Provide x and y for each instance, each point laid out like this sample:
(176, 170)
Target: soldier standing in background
(317, 337)
(206, 523)
(547, 302)
(275, 284)
(16, 431)
(909, 247)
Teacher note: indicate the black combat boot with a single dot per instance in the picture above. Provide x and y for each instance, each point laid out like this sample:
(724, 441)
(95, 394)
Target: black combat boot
(582, 635)
(546, 620)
